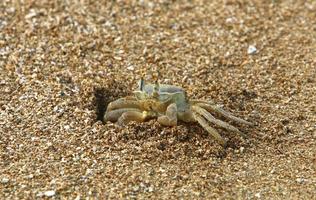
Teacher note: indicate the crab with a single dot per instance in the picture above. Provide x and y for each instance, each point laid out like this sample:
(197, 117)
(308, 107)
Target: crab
(169, 104)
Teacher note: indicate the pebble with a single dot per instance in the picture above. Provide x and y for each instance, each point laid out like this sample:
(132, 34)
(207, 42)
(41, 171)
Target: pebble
(136, 188)
(131, 67)
(258, 195)
(49, 193)
(78, 197)
(31, 14)
(300, 180)
(67, 127)
(231, 20)
(150, 189)
(251, 49)
(5, 180)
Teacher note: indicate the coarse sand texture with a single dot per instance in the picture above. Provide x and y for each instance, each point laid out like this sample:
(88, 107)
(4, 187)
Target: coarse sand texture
(62, 62)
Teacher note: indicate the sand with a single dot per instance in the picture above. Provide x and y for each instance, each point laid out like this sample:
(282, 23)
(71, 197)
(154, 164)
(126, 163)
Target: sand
(62, 62)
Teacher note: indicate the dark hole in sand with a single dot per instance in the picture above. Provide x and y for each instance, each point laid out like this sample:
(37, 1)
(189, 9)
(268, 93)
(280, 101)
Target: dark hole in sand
(104, 95)
(101, 102)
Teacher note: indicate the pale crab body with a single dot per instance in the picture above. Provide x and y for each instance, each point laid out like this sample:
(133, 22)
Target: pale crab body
(157, 98)
(169, 103)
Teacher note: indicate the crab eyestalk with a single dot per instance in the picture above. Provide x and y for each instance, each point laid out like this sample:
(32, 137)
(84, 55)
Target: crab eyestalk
(156, 91)
(141, 84)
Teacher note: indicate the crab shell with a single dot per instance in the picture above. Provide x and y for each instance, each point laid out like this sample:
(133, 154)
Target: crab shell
(161, 96)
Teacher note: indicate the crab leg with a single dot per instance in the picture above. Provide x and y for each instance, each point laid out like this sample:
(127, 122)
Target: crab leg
(222, 112)
(123, 103)
(218, 122)
(114, 115)
(170, 119)
(209, 129)
(137, 116)
(196, 101)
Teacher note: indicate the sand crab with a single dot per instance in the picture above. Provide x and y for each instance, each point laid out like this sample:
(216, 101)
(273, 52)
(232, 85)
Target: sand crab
(169, 103)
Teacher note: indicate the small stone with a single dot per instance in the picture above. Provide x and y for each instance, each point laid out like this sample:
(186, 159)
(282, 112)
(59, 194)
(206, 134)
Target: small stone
(49, 193)
(78, 197)
(55, 109)
(67, 127)
(11, 10)
(40, 194)
(89, 172)
(161, 170)
(150, 189)
(131, 67)
(231, 20)
(272, 171)
(142, 185)
(251, 49)
(151, 5)
(117, 58)
(31, 14)
(117, 39)
(5, 180)
(300, 180)
(136, 188)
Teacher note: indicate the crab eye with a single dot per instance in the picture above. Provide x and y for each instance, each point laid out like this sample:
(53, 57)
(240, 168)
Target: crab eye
(141, 84)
